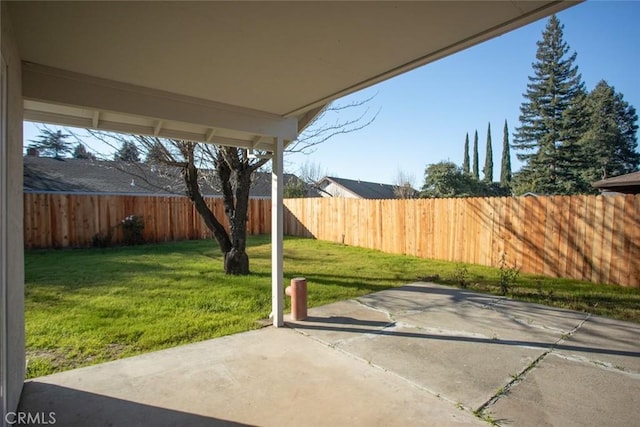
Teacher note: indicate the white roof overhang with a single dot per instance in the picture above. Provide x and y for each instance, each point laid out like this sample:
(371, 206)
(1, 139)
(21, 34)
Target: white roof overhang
(233, 73)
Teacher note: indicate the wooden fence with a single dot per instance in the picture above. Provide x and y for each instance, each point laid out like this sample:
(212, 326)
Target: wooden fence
(67, 220)
(594, 238)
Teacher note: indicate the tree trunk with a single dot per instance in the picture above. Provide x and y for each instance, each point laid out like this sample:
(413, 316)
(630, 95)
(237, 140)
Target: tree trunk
(236, 262)
(236, 205)
(193, 192)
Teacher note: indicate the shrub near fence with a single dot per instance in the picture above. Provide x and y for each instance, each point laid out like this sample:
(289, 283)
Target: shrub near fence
(593, 238)
(53, 220)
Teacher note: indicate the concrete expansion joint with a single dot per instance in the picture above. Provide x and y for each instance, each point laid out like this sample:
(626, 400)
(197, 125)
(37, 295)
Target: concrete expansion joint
(311, 337)
(516, 379)
(492, 303)
(379, 310)
(369, 362)
(531, 324)
(412, 383)
(599, 363)
(568, 335)
(520, 377)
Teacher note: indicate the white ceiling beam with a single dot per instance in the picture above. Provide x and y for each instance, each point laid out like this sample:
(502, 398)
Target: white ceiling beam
(47, 84)
(210, 133)
(136, 129)
(96, 119)
(158, 127)
(308, 118)
(257, 140)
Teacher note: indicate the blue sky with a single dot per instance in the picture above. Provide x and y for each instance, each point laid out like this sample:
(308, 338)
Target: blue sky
(425, 114)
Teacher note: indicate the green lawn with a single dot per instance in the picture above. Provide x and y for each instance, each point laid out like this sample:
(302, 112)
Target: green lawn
(85, 306)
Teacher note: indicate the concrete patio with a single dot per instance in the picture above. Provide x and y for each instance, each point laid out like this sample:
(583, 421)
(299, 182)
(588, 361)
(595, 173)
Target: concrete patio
(421, 354)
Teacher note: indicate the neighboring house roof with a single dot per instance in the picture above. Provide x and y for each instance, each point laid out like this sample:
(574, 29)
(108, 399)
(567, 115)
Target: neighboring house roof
(45, 174)
(362, 189)
(628, 184)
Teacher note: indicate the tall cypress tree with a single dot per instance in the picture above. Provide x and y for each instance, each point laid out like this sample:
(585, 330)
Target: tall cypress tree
(488, 159)
(476, 170)
(465, 161)
(551, 119)
(505, 169)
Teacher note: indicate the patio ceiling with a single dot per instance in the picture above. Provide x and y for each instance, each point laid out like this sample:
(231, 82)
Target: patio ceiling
(234, 73)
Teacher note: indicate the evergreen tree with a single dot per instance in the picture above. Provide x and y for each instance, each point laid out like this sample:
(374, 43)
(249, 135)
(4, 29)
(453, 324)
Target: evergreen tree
(552, 118)
(476, 170)
(465, 161)
(156, 154)
(446, 179)
(128, 152)
(52, 144)
(80, 152)
(505, 170)
(295, 188)
(610, 141)
(488, 160)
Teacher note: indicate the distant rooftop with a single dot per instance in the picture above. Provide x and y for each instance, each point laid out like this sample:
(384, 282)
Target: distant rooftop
(362, 189)
(45, 174)
(629, 183)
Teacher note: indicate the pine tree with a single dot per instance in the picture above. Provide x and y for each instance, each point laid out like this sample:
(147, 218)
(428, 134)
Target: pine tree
(505, 170)
(610, 141)
(53, 144)
(128, 152)
(156, 154)
(488, 160)
(476, 170)
(465, 161)
(80, 152)
(552, 118)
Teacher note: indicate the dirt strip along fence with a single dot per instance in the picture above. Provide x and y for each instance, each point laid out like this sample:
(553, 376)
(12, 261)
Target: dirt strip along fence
(53, 220)
(593, 238)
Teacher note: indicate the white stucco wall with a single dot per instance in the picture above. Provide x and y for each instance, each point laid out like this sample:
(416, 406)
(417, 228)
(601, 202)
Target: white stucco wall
(336, 191)
(13, 367)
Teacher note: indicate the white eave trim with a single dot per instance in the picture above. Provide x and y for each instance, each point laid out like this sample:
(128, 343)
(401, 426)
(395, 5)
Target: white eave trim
(54, 86)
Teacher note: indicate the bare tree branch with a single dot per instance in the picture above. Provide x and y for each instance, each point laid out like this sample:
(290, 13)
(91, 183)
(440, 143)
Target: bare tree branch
(319, 132)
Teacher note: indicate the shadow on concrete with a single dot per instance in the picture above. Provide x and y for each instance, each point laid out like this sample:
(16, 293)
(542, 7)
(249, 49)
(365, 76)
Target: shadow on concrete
(342, 320)
(76, 408)
(402, 334)
(455, 294)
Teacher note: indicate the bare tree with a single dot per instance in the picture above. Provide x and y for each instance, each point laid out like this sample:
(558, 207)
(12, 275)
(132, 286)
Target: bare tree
(403, 185)
(232, 170)
(311, 172)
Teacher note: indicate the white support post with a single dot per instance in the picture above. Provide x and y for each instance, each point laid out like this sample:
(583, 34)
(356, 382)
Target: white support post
(277, 233)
